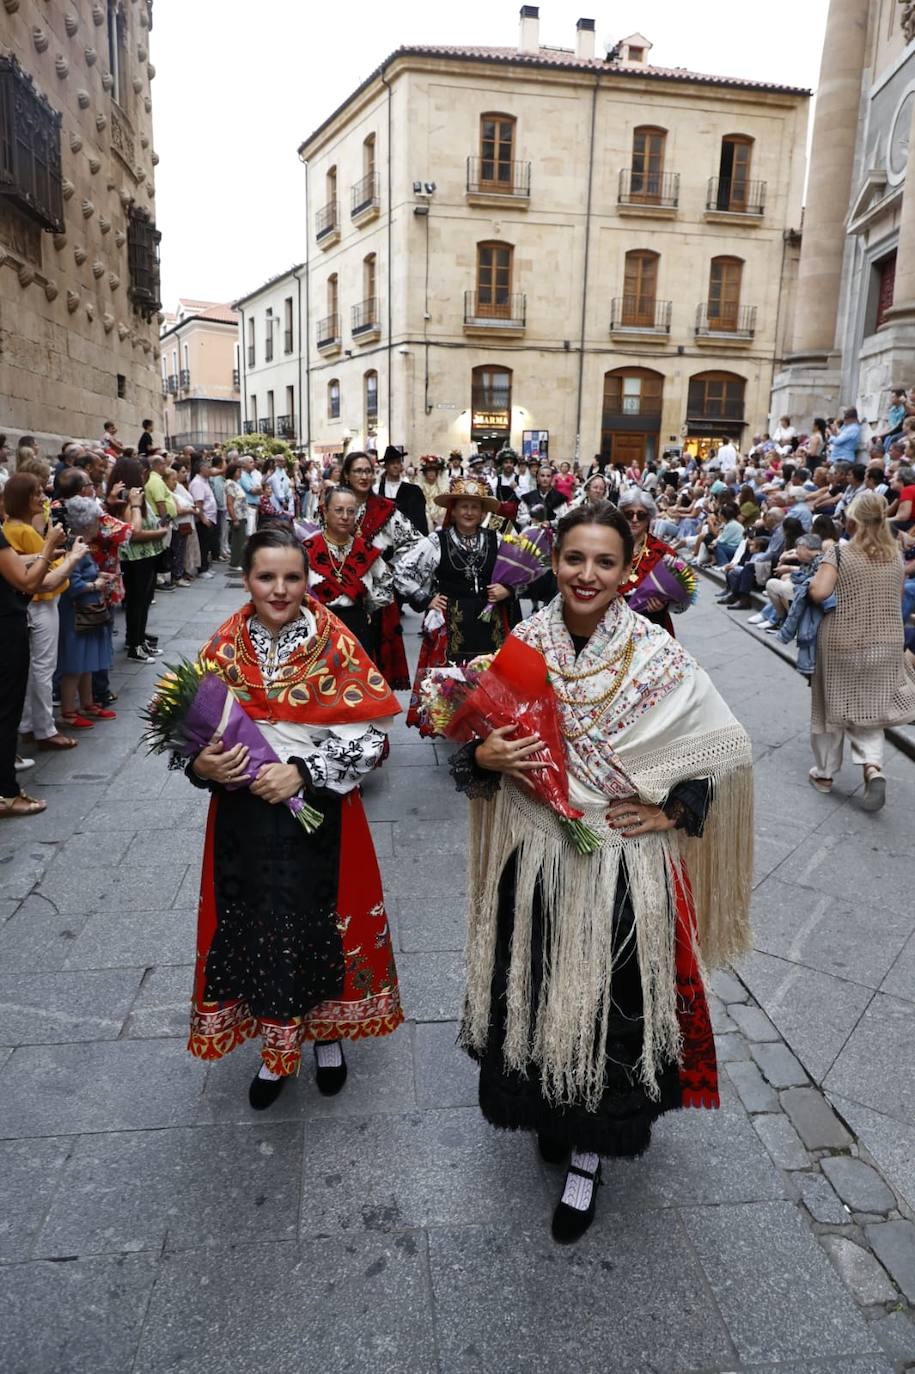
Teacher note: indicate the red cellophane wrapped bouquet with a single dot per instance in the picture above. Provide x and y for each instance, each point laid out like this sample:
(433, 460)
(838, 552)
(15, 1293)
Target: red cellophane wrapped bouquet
(510, 689)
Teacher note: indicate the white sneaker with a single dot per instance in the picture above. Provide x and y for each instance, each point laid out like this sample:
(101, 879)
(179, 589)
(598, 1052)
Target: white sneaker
(757, 619)
(207, 575)
(772, 629)
(23, 764)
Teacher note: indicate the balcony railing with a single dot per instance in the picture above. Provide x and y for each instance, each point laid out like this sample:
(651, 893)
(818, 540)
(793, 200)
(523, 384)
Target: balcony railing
(285, 426)
(265, 427)
(287, 341)
(732, 196)
(714, 411)
(736, 322)
(487, 177)
(328, 331)
(660, 190)
(326, 220)
(487, 308)
(184, 379)
(171, 384)
(249, 427)
(641, 315)
(365, 195)
(365, 317)
(250, 355)
(236, 378)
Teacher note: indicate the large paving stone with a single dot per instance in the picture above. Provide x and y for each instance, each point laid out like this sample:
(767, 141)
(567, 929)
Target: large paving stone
(30, 1171)
(440, 1168)
(188, 810)
(858, 941)
(67, 808)
(814, 1120)
(890, 1142)
(162, 1004)
(894, 1245)
(858, 1185)
(380, 1079)
(420, 875)
(142, 939)
(877, 1067)
(846, 869)
(445, 1075)
(329, 1305)
(23, 865)
(779, 1065)
(52, 1008)
(431, 985)
(752, 1022)
(108, 1085)
(755, 1093)
(132, 886)
(761, 1260)
(782, 1141)
(896, 1333)
(418, 800)
(180, 1189)
(38, 937)
(819, 1198)
(625, 1300)
(859, 1270)
(434, 922)
(98, 1306)
(900, 980)
(729, 988)
(814, 1011)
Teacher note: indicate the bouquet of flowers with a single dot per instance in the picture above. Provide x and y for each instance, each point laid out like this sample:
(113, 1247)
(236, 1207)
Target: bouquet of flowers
(671, 580)
(510, 689)
(520, 560)
(192, 708)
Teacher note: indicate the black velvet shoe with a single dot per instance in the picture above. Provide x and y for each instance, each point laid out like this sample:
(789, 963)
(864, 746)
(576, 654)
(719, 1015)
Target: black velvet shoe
(552, 1151)
(570, 1223)
(727, 600)
(263, 1092)
(329, 1081)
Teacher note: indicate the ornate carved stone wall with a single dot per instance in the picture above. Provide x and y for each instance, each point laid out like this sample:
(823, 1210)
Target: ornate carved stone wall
(68, 329)
(907, 19)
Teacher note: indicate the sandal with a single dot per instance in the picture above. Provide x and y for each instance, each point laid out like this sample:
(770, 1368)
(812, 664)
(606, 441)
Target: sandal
(98, 712)
(76, 721)
(23, 805)
(821, 784)
(57, 741)
(874, 798)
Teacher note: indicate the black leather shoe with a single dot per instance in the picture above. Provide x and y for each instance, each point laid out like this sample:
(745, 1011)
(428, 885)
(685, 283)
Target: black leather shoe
(570, 1223)
(727, 600)
(329, 1081)
(552, 1151)
(263, 1092)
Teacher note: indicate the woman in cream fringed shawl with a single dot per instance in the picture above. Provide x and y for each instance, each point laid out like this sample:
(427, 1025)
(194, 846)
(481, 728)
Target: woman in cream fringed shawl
(585, 1004)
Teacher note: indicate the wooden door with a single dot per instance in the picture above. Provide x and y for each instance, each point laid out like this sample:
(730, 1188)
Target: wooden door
(734, 188)
(629, 449)
(497, 137)
(724, 294)
(640, 286)
(647, 165)
(494, 280)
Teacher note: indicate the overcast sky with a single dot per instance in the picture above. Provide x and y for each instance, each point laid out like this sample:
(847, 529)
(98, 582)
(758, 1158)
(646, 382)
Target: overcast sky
(241, 82)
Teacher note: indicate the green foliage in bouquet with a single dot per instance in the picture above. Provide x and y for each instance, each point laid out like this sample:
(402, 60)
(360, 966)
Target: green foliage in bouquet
(175, 691)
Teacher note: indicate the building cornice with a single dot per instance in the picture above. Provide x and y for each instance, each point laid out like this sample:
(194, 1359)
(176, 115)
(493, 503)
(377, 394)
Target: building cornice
(289, 275)
(198, 319)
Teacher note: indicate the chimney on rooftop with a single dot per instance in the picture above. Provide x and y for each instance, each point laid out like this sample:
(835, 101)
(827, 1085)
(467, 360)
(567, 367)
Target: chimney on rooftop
(584, 38)
(529, 40)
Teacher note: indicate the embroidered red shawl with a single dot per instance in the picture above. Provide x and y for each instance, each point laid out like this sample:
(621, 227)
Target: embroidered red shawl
(330, 680)
(337, 581)
(378, 511)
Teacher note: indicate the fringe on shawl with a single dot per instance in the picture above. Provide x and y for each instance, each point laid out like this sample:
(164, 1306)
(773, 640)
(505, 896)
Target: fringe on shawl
(565, 1035)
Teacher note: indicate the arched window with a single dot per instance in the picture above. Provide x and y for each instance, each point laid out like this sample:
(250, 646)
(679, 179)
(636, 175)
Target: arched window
(715, 396)
(640, 288)
(491, 397)
(724, 293)
(631, 417)
(647, 164)
(734, 173)
(370, 383)
(497, 151)
(333, 399)
(494, 280)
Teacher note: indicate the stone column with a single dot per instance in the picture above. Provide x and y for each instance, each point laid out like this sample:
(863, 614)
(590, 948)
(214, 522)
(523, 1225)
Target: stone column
(829, 187)
(903, 307)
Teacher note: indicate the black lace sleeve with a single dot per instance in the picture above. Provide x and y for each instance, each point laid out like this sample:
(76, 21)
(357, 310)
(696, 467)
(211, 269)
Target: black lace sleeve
(687, 805)
(181, 764)
(476, 783)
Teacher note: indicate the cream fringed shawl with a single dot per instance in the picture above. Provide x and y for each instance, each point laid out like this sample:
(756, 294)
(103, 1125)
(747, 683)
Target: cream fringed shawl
(665, 723)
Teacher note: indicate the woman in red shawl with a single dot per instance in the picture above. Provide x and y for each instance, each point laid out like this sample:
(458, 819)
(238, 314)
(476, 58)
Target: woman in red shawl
(293, 941)
(639, 509)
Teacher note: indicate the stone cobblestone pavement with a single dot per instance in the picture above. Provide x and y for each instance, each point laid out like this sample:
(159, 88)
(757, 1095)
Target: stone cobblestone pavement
(150, 1222)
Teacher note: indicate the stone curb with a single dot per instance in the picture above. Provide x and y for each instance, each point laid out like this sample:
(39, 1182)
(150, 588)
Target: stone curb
(904, 743)
(856, 1216)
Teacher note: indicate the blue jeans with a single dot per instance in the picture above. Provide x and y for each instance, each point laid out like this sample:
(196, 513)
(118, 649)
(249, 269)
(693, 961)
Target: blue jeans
(908, 597)
(724, 553)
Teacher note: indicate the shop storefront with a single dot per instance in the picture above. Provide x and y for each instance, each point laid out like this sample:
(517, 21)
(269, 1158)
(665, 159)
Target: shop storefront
(714, 413)
(491, 408)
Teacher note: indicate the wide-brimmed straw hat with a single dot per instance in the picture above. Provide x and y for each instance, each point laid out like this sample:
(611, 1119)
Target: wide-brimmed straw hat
(468, 489)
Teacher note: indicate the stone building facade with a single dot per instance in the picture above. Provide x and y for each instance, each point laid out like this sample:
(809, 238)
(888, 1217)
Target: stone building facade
(200, 374)
(79, 266)
(852, 331)
(272, 358)
(510, 242)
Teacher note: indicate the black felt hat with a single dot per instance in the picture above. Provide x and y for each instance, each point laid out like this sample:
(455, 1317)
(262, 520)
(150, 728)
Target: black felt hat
(394, 454)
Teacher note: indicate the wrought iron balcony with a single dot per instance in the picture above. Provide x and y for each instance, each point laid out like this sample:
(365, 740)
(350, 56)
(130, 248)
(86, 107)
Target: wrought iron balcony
(249, 427)
(30, 172)
(171, 384)
(327, 222)
(713, 410)
(488, 177)
(365, 318)
(714, 320)
(266, 427)
(328, 332)
(365, 197)
(640, 315)
(236, 378)
(734, 196)
(285, 426)
(495, 310)
(184, 379)
(649, 190)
